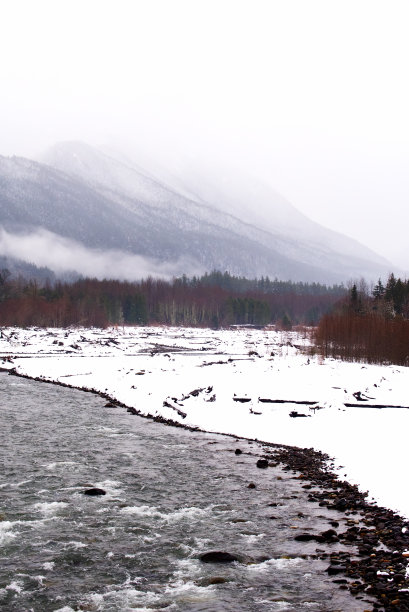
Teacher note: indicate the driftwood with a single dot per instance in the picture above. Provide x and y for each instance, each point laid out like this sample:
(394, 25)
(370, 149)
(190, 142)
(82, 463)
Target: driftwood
(374, 406)
(180, 412)
(266, 400)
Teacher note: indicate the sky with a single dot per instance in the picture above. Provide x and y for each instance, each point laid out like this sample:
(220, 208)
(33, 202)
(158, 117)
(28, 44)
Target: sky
(312, 97)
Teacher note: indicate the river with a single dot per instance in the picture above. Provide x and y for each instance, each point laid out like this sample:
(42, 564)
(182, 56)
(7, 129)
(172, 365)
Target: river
(171, 495)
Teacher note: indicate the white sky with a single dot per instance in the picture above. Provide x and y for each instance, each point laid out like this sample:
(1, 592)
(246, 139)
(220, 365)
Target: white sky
(311, 95)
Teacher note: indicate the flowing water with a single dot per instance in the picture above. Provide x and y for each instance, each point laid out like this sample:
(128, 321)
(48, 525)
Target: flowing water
(171, 495)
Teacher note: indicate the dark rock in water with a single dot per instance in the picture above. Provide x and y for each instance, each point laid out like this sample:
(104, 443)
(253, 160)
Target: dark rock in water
(218, 556)
(110, 405)
(212, 580)
(332, 570)
(243, 400)
(305, 537)
(94, 491)
(330, 535)
(262, 463)
(238, 451)
(251, 485)
(341, 505)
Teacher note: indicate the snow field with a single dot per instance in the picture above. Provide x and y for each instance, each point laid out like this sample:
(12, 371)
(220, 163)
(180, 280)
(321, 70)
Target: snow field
(147, 367)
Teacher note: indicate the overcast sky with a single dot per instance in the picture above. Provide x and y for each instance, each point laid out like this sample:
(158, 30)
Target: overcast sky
(311, 95)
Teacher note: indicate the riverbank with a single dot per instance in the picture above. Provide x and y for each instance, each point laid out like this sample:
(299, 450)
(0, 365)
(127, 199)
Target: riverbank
(249, 382)
(364, 546)
(241, 382)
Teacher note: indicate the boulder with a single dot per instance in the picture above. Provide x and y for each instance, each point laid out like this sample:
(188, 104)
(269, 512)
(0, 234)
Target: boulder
(218, 556)
(94, 491)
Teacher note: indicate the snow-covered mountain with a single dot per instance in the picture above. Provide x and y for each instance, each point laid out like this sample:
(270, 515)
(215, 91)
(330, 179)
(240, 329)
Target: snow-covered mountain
(97, 199)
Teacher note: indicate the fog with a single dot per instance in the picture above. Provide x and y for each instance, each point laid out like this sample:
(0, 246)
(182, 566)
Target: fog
(62, 255)
(311, 97)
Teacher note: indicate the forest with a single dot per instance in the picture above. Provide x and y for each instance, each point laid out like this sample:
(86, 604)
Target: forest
(370, 326)
(213, 300)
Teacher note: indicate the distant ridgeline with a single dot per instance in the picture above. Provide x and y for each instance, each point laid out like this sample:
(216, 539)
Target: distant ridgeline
(213, 300)
(370, 326)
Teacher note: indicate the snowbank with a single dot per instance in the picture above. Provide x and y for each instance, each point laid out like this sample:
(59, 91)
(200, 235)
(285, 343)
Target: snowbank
(155, 370)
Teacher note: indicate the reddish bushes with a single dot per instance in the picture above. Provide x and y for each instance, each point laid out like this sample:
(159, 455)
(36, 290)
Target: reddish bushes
(367, 337)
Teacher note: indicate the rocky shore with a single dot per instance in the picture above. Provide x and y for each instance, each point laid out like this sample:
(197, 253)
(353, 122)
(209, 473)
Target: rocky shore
(379, 568)
(374, 570)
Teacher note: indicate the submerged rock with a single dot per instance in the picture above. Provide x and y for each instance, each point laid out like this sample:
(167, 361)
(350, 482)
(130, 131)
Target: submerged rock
(217, 556)
(305, 537)
(212, 580)
(94, 491)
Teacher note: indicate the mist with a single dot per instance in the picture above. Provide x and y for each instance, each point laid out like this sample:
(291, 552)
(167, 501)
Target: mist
(310, 97)
(62, 255)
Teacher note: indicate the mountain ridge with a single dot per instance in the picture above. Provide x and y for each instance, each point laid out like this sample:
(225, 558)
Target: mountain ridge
(87, 196)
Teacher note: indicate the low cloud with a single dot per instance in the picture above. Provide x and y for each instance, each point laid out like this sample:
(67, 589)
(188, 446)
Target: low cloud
(61, 255)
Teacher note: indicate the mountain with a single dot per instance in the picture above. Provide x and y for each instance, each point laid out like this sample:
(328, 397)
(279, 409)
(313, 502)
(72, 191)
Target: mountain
(92, 198)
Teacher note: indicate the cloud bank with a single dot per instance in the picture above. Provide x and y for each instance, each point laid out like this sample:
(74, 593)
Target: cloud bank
(62, 255)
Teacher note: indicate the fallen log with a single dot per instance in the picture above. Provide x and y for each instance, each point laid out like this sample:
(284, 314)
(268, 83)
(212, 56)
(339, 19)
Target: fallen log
(267, 400)
(180, 412)
(348, 405)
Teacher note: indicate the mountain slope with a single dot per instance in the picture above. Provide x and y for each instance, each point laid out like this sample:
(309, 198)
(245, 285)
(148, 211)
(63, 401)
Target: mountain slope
(85, 195)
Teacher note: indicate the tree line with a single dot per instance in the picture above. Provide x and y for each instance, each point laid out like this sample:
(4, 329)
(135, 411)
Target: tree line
(213, 300)
(368, 325)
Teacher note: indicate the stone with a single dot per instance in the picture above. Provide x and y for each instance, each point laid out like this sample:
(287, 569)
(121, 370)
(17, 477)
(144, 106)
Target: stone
(94, 491)
(305, 537)
(217, 556)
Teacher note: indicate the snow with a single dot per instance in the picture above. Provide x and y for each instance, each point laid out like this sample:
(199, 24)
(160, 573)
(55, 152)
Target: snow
(147, 367)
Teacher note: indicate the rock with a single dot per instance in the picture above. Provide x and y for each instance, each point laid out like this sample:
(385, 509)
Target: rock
(332, 570)
(212, 580)
(330, 535)
(341, 505)
(238, 451)
(94, 491)
(262, 463)
(251, 485)
(305, 537)
(217, 556)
